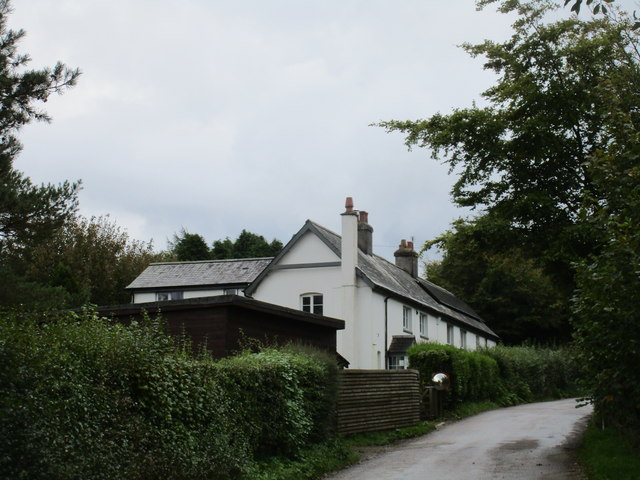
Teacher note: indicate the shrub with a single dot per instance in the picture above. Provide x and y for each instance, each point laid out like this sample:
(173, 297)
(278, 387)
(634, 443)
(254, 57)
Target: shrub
(288, 398)
(83, 397)
(536, 373)
(506, 375)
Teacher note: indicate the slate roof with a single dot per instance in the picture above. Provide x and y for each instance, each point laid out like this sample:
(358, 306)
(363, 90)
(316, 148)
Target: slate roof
(200, 274)
(385, 276)
(401, 343)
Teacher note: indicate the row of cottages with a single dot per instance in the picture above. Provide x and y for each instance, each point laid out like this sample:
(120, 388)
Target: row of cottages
(386, 307)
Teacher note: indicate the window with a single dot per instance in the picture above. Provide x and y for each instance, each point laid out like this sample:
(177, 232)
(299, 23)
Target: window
(397, 362)
(312, 303)
(165, 296)
(424, 325)
(450, 334)
(406, 319)
(463, 339)
(477, 341)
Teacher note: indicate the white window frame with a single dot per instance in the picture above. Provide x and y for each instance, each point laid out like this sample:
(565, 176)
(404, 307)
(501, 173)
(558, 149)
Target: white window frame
(315, 303)
(407, 313)
(424, 325)
(450, 334)
(397, 361)
(176, 295)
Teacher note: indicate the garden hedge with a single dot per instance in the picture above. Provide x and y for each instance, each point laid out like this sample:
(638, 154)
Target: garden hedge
(505, 375)
(82, 397)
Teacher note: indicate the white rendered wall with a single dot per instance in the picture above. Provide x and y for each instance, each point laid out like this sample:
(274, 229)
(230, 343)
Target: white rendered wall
(309, 249)
(284, 287)
(144, 297)
(369, 340)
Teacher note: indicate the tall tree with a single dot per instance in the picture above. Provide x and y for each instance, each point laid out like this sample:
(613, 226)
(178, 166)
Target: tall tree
(505, 286)
(189, 247)
(28, 212)
(524, 157)
(606, 309)
(247, 245)
(92, 259)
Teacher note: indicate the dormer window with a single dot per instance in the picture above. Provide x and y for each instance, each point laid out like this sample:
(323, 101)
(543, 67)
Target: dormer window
(312, 303)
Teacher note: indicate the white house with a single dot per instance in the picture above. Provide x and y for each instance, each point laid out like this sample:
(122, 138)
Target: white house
(386, 307)
(183, 280)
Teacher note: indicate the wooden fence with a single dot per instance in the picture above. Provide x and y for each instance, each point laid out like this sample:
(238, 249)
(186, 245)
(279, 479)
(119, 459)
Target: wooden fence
(371, 400)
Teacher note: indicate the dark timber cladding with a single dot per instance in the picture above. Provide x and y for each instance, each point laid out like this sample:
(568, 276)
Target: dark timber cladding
(371, 400)
(222, 322)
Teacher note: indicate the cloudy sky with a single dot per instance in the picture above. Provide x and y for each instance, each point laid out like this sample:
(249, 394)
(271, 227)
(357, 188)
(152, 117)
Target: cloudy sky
(216, 116)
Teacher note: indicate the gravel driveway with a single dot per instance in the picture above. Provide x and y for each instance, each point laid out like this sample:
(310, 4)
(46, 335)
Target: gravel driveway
(533, 441)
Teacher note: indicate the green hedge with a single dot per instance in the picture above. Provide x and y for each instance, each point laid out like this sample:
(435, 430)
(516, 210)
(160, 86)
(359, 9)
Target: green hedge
(535, 373)
(82, 397)
(506, 375)
(474, 376)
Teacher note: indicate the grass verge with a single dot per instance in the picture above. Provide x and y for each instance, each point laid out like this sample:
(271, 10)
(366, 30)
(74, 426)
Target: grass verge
(371, 439)
(608, 455)
(310, 464)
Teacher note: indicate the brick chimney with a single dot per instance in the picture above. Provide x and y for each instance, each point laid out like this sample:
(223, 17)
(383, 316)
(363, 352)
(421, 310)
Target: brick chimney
(407, 258)
(365, 233)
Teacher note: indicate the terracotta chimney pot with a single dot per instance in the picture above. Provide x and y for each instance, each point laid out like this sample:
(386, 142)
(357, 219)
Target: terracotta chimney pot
(348, 205)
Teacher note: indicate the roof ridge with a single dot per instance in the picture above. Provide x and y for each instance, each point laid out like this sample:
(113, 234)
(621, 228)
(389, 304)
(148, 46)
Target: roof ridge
(324, 228)
(186, 262)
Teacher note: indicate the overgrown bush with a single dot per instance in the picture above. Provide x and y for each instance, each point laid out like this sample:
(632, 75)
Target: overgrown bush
(82, 397)
(506, 375)
(286, 398)
(536, 373)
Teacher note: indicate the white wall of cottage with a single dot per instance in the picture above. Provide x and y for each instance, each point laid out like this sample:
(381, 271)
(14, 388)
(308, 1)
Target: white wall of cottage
(143, 297)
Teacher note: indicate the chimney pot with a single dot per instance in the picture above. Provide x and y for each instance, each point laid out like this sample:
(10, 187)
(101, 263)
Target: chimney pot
(410, 245)
(364, 216)
(348, 204)
(403, 243)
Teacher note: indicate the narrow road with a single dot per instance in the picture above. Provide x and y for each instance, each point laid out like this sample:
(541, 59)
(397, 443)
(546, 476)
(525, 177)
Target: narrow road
(533, 441)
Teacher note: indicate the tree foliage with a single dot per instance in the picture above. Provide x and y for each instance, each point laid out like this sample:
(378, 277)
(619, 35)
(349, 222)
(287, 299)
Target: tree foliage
(597, 6)
(92, 259)
(192, 246)
(607, 313)
(247, 245)
(28, 212)
(189, 247)
(504, 285)
(523, 158)
(554, 157)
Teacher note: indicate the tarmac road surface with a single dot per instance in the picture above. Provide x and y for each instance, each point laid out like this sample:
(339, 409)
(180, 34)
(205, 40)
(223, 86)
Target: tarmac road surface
(533, 441)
